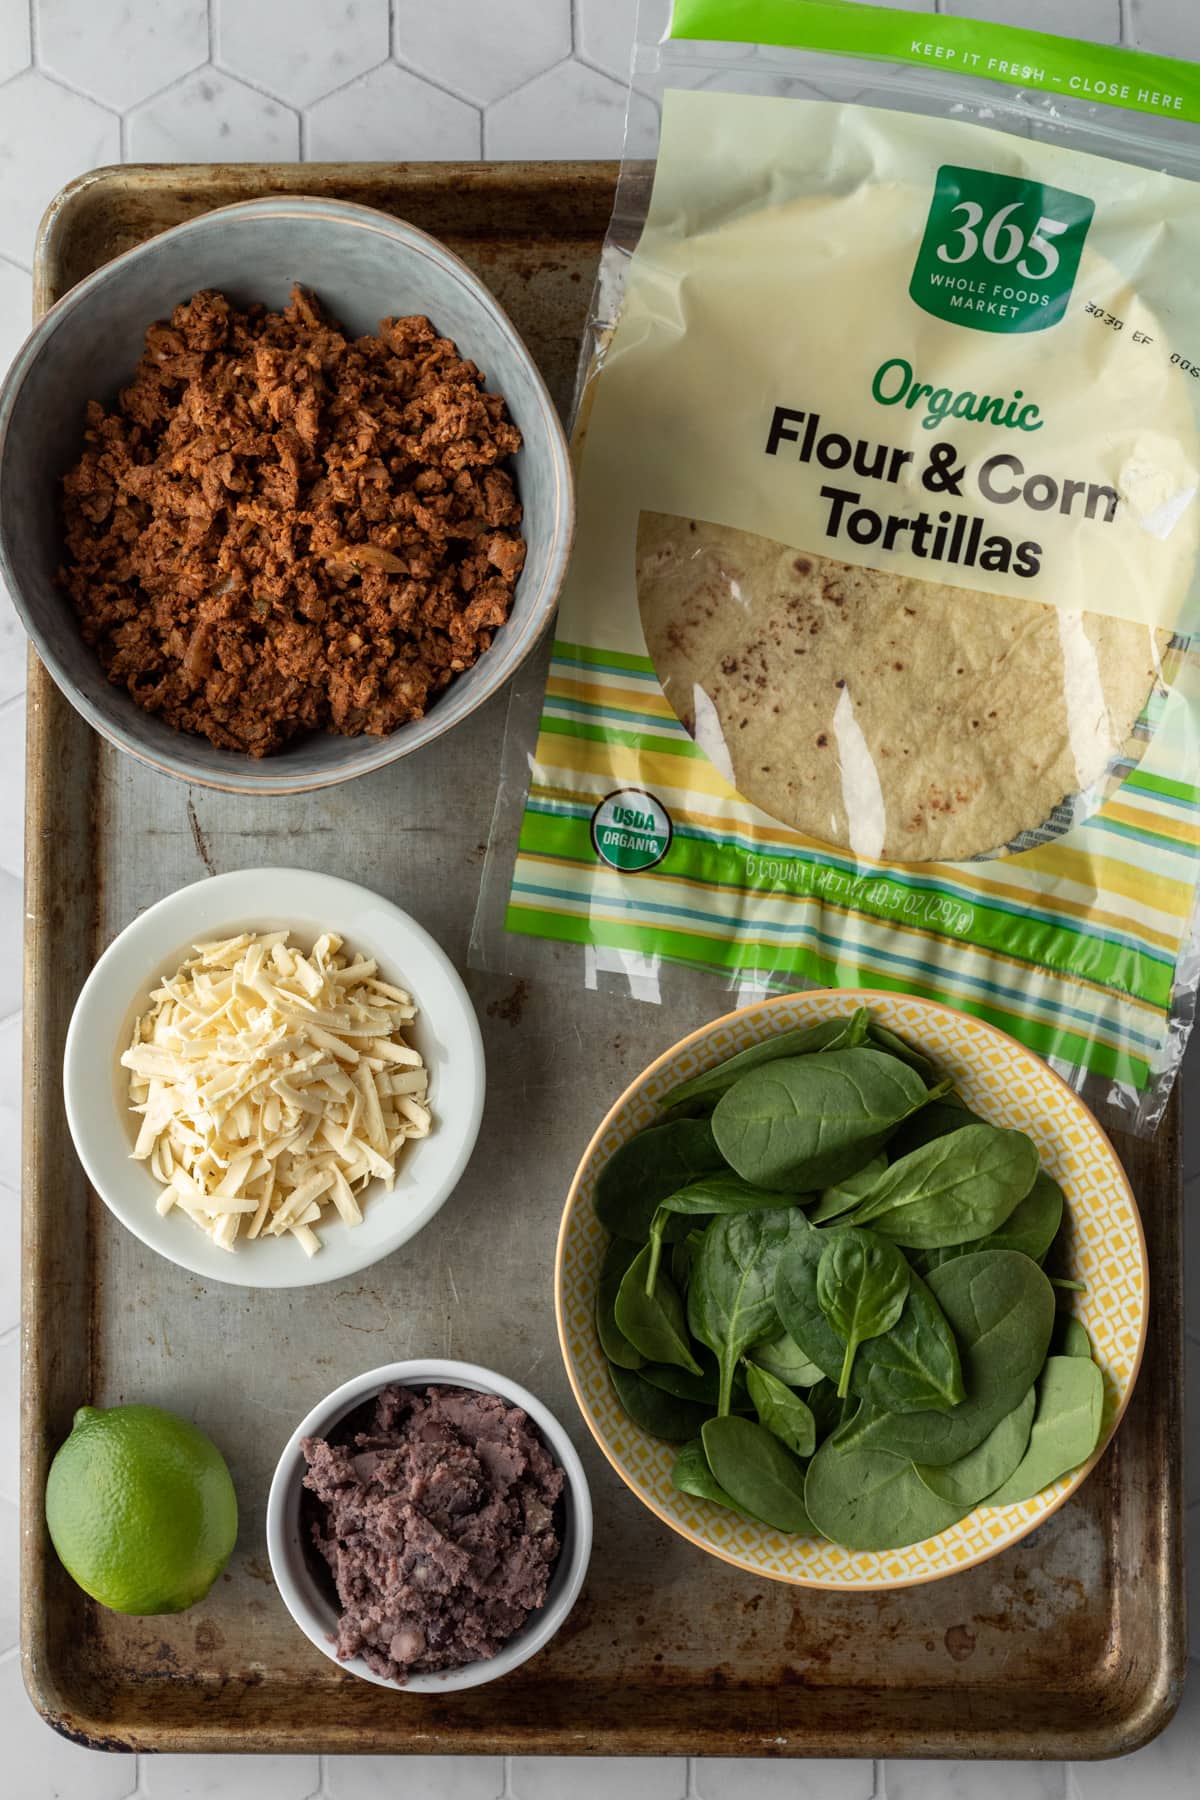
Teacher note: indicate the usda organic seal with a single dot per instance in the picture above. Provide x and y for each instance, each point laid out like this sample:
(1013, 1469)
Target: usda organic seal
(631, 829)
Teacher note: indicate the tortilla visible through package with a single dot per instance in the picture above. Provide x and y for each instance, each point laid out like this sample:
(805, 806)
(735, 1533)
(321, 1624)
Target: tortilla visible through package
(902, 719)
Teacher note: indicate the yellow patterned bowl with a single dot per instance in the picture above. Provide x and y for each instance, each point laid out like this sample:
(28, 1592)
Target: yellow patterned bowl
(1106, 1249)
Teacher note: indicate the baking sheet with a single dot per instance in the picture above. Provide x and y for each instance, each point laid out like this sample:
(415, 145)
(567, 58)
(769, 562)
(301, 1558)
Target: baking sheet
(1069, 1645)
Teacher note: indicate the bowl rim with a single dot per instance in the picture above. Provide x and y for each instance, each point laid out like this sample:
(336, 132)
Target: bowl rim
(574, 1554)
(860, 997)
(82, 1047)
(379, 753)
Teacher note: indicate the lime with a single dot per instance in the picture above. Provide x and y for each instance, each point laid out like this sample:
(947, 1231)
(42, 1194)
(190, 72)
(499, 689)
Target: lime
(141, 1509)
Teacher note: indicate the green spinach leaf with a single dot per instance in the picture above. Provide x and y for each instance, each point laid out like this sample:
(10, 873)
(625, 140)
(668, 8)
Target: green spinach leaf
(654, 1411)
(979, 1473)
(653, 1323)
(1066, 1428)
(703, 1388)
(938, 1119)
(731, 1300)
(648, 1167)
(1070, 1338)
(692, 1475)
(844, 1196)
(895, 1045)
(764, 1479)
(613, 1342)
(809, 1040)
(912, 1367)
(783, 1413)
(862, 1284)
(867, 1499)
(1000, 1307)
(1031, 1227)
(809, 1121)
(781, 1356)
(952, 1191)
(715, 1195)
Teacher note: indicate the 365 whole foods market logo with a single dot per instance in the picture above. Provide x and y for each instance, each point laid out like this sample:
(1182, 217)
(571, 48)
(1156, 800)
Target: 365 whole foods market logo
(999, 253)
(631, 830)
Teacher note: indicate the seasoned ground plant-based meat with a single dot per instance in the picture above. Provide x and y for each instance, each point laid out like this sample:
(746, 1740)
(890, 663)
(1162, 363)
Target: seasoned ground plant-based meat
(438, 1525)
(279, 528)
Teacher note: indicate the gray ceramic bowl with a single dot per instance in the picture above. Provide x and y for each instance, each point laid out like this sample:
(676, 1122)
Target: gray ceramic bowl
(365, 266)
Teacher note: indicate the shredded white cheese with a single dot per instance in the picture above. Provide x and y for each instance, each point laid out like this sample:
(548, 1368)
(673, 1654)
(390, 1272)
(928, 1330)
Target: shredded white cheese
(272, 1085)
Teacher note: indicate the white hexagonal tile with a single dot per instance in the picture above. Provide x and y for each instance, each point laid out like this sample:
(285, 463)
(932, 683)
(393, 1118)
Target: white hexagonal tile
(10, 1132)
(43, 1766)
(604, 33)
(973, 1781)
(10, 1551)
(14, 37)
(304, 49)
(16, 309)
(500, 47)
(599, 1778)
(1168, 27)
(47, 136)
(10, 1383)
(229, 1777)
(817, 1779)
(390, 114)
(12, 801)
(414, 1777)
(121, 54)
(13, 643)
(570, 111)
(1099, 20)
(210, 117)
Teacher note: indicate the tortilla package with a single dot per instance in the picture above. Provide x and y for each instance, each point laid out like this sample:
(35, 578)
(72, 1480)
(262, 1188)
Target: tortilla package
(875, 663)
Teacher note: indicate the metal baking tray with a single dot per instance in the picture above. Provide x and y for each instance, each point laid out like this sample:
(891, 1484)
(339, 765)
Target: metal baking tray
(1069, 1645)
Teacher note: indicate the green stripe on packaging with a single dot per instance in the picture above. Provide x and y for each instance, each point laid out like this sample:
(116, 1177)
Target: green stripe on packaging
(1085, 955)
(1135, 80)
(744, 956)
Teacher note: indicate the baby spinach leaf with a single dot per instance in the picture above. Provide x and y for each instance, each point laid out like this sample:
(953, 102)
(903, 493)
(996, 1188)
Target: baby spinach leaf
(953, 1190)
(1067, 1286)
(1031, 1227)
(653, 1323)
(613, 1342)
(1066, 1428)
(731, 1300)
(894, 1045)
(714, 1195)
(809, 1121)
(912, 1367)
(979, 1473)
(844, 1196)
(647, 1168)
(781, 1356)
(1000, 1307)
(866, 1499)
(764, 1479)
(915, 1366)
(703, 1388)
(825, 1407)
(692, 1475)
(938, 1119)
(862, 1284)
(783, 1413)
(809, 1040)
(1070, 1338)
(660, 1414)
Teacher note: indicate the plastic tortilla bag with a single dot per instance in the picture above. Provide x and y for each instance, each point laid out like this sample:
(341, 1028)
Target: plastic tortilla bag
(874, 667)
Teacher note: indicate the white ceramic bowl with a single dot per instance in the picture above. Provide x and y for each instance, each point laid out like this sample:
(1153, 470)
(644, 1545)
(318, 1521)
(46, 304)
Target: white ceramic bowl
(117, 991)
(305, 1598)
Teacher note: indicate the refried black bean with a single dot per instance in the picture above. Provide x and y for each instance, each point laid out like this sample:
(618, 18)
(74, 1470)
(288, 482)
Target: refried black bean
(438, 1523)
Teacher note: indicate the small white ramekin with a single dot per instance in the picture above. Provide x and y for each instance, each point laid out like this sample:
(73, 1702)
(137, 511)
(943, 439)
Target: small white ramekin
(117, 992)
(294, 1574)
